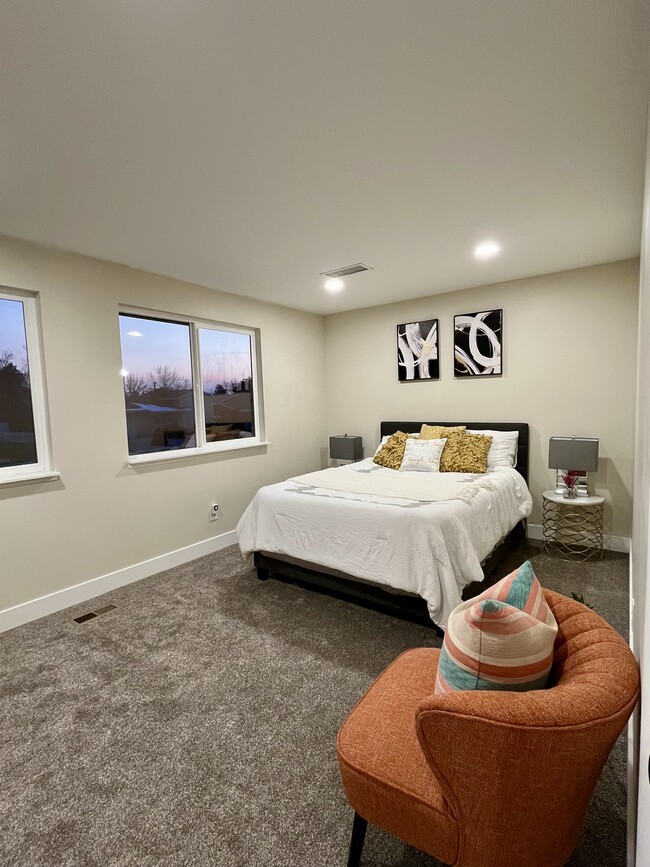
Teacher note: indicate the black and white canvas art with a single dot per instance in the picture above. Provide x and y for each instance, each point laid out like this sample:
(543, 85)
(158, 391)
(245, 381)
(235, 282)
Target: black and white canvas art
(417, 351)
(477, 343)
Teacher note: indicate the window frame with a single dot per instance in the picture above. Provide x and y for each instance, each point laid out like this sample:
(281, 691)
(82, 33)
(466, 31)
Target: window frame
(203, 447)
(42, 469)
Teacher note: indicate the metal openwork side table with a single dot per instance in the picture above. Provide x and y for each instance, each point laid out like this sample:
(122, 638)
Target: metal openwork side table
(573, 529)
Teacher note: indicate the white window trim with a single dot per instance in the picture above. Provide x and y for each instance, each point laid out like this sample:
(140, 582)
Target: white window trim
(42, 470)
(204, 448)
(29, 478)
(185, 454)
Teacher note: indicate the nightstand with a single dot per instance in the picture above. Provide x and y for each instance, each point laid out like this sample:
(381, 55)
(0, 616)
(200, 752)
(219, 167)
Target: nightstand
(573, 529)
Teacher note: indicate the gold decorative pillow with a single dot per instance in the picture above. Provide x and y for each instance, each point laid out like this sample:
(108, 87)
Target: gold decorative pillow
(391, 454)
(437, 431)
(465, 453)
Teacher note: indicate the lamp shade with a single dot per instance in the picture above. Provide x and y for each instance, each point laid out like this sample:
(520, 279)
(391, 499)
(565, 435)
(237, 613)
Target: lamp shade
(573, 453)
(346, 448)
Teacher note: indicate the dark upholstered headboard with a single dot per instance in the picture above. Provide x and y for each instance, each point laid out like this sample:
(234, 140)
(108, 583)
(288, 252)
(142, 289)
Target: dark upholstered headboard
(389, 427)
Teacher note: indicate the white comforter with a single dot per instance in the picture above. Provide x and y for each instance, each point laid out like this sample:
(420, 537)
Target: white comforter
(426, 533)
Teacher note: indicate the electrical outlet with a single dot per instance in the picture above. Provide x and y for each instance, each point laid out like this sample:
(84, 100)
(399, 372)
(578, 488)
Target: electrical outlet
(214, 512)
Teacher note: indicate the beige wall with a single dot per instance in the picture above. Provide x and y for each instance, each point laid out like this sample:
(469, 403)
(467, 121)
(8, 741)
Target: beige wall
(102, 516)
(569, 368)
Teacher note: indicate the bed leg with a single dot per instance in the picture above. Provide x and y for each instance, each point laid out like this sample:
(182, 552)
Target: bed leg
(262, 574)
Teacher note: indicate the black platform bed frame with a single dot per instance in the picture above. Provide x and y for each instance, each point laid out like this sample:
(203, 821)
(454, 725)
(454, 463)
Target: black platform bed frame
(405, 606)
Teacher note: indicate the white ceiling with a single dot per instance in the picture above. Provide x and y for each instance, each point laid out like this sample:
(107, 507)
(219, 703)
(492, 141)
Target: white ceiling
(248, 145)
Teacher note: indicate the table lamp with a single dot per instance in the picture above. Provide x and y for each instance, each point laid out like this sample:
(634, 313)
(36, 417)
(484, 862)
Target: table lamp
(573, 458)
(345, 448)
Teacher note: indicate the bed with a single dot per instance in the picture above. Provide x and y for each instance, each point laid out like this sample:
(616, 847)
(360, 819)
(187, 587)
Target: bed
(412, 547)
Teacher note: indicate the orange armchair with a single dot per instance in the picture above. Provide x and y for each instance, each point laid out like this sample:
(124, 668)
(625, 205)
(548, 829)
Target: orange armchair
(489, 779)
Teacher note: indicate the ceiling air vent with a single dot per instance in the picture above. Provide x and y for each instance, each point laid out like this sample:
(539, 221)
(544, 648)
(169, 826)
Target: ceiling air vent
(349, 269)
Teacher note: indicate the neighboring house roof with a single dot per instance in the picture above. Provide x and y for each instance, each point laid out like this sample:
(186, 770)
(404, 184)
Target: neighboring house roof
(153, 407)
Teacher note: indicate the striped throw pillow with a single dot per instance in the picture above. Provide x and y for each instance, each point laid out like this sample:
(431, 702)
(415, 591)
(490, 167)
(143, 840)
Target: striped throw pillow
(502, 639)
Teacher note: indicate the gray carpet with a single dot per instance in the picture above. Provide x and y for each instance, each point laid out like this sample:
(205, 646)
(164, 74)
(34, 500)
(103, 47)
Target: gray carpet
(196, 723)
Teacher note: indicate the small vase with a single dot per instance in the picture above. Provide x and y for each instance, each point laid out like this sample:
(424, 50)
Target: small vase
(571, 492)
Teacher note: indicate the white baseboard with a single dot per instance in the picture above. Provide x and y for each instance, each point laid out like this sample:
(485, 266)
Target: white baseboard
(610, 543)
(35, 608)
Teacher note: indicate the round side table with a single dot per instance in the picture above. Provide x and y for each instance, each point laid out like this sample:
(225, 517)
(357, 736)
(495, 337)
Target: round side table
(573, 529)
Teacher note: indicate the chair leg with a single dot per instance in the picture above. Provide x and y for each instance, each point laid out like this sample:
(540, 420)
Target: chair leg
(359, 826)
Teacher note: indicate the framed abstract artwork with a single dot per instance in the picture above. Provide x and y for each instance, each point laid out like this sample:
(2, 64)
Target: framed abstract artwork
(417, 351)
(477, 343)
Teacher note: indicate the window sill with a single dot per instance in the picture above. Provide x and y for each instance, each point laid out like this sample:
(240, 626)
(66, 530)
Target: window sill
(189, 454)
(30, 478)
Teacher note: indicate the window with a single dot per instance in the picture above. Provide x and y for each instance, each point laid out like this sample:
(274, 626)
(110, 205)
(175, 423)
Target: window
(24, 446)
(188, 386)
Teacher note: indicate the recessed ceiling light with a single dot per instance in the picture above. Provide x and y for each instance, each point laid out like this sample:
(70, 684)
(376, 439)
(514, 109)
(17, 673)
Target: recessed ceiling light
(134, 333)
(334, 284)
(487, 249)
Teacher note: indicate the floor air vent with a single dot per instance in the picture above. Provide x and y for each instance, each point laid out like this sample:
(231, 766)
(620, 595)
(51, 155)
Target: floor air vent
(91, 614)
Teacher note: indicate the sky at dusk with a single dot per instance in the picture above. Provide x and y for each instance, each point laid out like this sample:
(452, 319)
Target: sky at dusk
(12, 331)
(225, 355)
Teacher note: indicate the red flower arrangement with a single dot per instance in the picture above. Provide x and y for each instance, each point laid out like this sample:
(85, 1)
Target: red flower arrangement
(570, 477)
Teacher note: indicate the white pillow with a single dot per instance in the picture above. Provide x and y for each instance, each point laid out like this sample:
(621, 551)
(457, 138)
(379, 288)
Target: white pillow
(422, 456)
(503, 451)
(383, 442)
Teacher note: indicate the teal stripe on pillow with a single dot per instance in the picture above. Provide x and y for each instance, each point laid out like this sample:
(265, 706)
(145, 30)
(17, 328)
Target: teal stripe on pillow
(521, 586)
